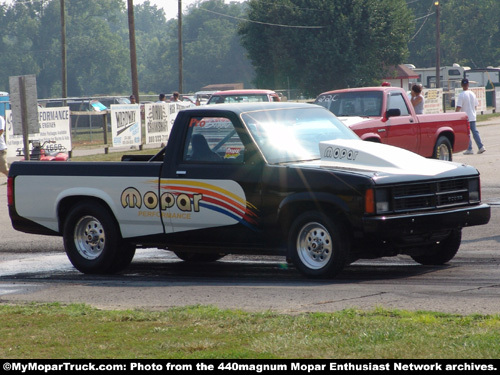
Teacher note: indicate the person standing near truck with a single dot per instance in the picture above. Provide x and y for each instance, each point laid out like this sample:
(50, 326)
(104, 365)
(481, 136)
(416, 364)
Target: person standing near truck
(3, 149)
(467, 102)
(417, 99)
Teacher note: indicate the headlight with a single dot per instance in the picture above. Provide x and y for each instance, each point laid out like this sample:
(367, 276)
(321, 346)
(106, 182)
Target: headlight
(474, 190)
(377, 201)
(382, 201)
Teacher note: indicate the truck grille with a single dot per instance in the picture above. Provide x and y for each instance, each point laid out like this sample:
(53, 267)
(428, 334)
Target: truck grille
(430, 195)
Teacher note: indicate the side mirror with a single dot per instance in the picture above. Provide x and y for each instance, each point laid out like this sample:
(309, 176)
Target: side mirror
(393, 112)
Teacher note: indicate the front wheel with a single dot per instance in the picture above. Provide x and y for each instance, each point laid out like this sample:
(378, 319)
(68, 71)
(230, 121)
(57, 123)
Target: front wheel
(93, 242)
(442, 252)
(317, 245)
(443, 149)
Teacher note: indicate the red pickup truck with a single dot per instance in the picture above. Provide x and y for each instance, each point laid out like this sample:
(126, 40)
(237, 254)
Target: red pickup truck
(385, 114)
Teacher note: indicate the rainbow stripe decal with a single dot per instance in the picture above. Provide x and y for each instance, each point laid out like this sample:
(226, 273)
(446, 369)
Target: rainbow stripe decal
(224, 197)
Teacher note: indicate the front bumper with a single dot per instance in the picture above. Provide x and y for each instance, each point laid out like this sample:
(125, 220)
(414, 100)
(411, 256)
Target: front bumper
(399, 227)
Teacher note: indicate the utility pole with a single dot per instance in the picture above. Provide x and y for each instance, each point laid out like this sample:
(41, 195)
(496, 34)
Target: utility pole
(438, 47)
(179, 33)
(64, 93)
(133, 52)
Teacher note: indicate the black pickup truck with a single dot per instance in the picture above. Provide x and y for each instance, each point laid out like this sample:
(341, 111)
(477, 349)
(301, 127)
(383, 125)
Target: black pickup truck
(267, 178)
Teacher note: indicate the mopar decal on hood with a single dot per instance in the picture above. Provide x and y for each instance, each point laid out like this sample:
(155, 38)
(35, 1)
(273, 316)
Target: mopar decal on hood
(374, 156)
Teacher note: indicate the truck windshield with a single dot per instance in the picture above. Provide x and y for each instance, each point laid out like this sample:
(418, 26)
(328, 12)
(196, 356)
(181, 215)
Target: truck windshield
(361, 103)
(290, 135)
(245, 98)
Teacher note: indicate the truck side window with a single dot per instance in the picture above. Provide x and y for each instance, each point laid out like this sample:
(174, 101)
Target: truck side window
(213, 140)
(396, 101)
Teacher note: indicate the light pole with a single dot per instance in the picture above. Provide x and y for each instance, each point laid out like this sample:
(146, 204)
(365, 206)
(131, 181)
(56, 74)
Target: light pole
(438, 56)
(179, 33)
(64, 84)
(133, 51)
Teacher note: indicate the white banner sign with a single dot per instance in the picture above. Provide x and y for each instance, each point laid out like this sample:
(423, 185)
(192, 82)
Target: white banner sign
(433, 101)
(497, 99)
(54, 127)
(159, 118)
(157, 124)
(126, 125)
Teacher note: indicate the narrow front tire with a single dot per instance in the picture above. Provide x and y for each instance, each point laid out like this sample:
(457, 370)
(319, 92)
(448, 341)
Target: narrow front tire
(317, 245)
(442, 252)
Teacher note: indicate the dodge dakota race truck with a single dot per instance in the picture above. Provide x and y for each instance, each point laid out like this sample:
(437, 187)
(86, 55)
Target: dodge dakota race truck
(266, 178)
(386, 115)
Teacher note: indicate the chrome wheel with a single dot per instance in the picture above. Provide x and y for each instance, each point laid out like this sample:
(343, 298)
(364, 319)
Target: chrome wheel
(89, 237)
(314, 245)
(443, 149)
(444, 152)
(92, 239)
(318, 245)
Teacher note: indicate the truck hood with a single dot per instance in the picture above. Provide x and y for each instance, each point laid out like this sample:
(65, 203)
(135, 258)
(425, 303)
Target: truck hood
(377, 157)
(354, 120)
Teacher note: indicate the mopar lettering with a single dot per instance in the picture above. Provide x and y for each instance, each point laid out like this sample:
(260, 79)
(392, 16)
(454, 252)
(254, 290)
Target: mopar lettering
(125, 118)
(132, 198)
(340, 153)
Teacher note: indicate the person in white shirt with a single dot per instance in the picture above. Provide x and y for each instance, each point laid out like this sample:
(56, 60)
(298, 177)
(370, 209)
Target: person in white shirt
(467, 102)
(3, 149)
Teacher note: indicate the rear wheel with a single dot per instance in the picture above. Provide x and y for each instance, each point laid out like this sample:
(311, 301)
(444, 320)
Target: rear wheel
(442, 252)
(317, 245)
(443, 149)
(93, 242)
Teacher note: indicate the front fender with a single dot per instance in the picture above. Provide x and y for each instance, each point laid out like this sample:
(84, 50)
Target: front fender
(371, 137)
(327, 203)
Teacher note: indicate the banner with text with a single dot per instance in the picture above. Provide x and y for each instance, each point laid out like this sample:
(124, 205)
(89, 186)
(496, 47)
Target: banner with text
(54, 127)
(433, 101)
(159, 118)
(126, 125)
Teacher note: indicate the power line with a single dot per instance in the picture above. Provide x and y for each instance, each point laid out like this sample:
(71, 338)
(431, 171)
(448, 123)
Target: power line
(262, 23)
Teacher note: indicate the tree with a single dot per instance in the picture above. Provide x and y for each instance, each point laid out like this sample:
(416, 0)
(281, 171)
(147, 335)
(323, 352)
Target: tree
(325, 44)
(18, 52)
(470, 33)
(97, 57)
(212, 52)
(152, 36)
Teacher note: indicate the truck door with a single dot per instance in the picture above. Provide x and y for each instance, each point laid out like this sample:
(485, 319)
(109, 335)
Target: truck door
(402, 131)
(214, 190)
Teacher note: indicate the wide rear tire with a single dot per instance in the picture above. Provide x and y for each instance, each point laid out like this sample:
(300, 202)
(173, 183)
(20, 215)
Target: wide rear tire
(93, 242)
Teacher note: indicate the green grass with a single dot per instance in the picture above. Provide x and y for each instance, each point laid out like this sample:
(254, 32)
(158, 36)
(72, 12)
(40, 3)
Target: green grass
(79, 331)
(487, 116)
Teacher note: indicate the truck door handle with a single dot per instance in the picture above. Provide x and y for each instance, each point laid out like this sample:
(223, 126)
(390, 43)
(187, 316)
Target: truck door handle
(181, 172)
(381, 130)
